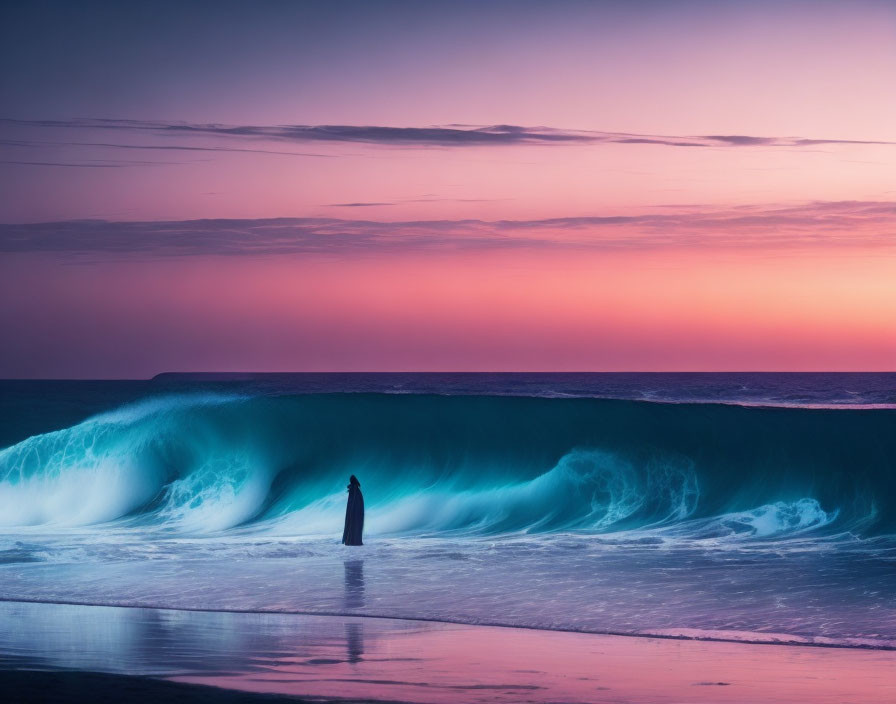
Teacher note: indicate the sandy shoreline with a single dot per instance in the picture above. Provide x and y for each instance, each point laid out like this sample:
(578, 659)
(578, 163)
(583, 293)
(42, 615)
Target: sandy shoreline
(365, 659)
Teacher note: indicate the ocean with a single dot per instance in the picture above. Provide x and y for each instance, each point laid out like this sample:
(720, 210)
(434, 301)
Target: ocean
(734, 506)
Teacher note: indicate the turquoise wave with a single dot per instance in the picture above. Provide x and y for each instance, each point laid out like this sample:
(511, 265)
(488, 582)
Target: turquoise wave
(477, 465)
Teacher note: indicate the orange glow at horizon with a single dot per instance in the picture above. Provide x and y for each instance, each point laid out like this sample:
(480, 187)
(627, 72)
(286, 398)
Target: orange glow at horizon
(704, 310)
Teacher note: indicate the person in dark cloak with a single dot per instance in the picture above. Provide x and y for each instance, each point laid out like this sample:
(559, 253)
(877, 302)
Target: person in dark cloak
(354, 514)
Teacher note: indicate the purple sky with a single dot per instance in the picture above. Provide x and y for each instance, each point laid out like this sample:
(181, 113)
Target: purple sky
(406, 185)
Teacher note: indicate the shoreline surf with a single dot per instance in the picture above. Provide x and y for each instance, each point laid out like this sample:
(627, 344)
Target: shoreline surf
(785, 640)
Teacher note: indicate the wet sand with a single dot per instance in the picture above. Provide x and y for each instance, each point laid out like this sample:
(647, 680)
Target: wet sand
(30, 687)
(166, 654)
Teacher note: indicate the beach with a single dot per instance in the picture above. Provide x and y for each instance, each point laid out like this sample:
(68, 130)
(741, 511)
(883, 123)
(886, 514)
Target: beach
(86, 653)
(521, 543)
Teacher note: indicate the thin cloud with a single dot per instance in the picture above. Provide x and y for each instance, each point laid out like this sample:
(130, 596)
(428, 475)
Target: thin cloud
(156, 147)
(825, 224)
(431, 136)
(356, 205)
(369, 134)
(102, 164)
(428, 199)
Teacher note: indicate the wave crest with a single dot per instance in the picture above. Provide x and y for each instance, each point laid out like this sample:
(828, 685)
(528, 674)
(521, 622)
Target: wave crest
(430, 465)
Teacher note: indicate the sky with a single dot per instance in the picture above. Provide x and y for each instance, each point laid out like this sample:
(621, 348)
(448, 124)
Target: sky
(434, 186)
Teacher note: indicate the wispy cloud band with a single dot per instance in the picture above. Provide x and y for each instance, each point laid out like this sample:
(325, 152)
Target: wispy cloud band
(840, 223)
(431, 136)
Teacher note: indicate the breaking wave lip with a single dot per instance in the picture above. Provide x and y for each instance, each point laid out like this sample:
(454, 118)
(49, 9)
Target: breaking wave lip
(589, 490)
(781, 519)
(98, 471)
(113, 467)
(204, 463)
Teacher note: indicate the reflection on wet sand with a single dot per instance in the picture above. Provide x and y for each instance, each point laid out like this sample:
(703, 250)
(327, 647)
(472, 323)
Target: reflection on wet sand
(354, 642)
(354, 599)
(354, 584)
(352, 658)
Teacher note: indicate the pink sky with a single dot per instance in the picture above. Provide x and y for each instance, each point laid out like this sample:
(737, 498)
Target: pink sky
(745, 154)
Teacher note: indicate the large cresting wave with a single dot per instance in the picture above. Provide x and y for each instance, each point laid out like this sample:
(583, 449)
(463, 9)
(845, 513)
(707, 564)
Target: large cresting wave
(478, 465)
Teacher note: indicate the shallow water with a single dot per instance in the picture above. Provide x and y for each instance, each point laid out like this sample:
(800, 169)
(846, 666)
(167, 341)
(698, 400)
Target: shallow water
(787, 591)
(484, 505)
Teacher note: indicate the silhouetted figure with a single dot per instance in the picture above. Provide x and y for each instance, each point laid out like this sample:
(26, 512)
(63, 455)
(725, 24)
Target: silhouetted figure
(354, 514)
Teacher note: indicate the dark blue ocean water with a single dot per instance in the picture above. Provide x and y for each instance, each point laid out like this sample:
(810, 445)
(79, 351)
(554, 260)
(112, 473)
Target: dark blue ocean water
(33, 406)
(751, 506)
